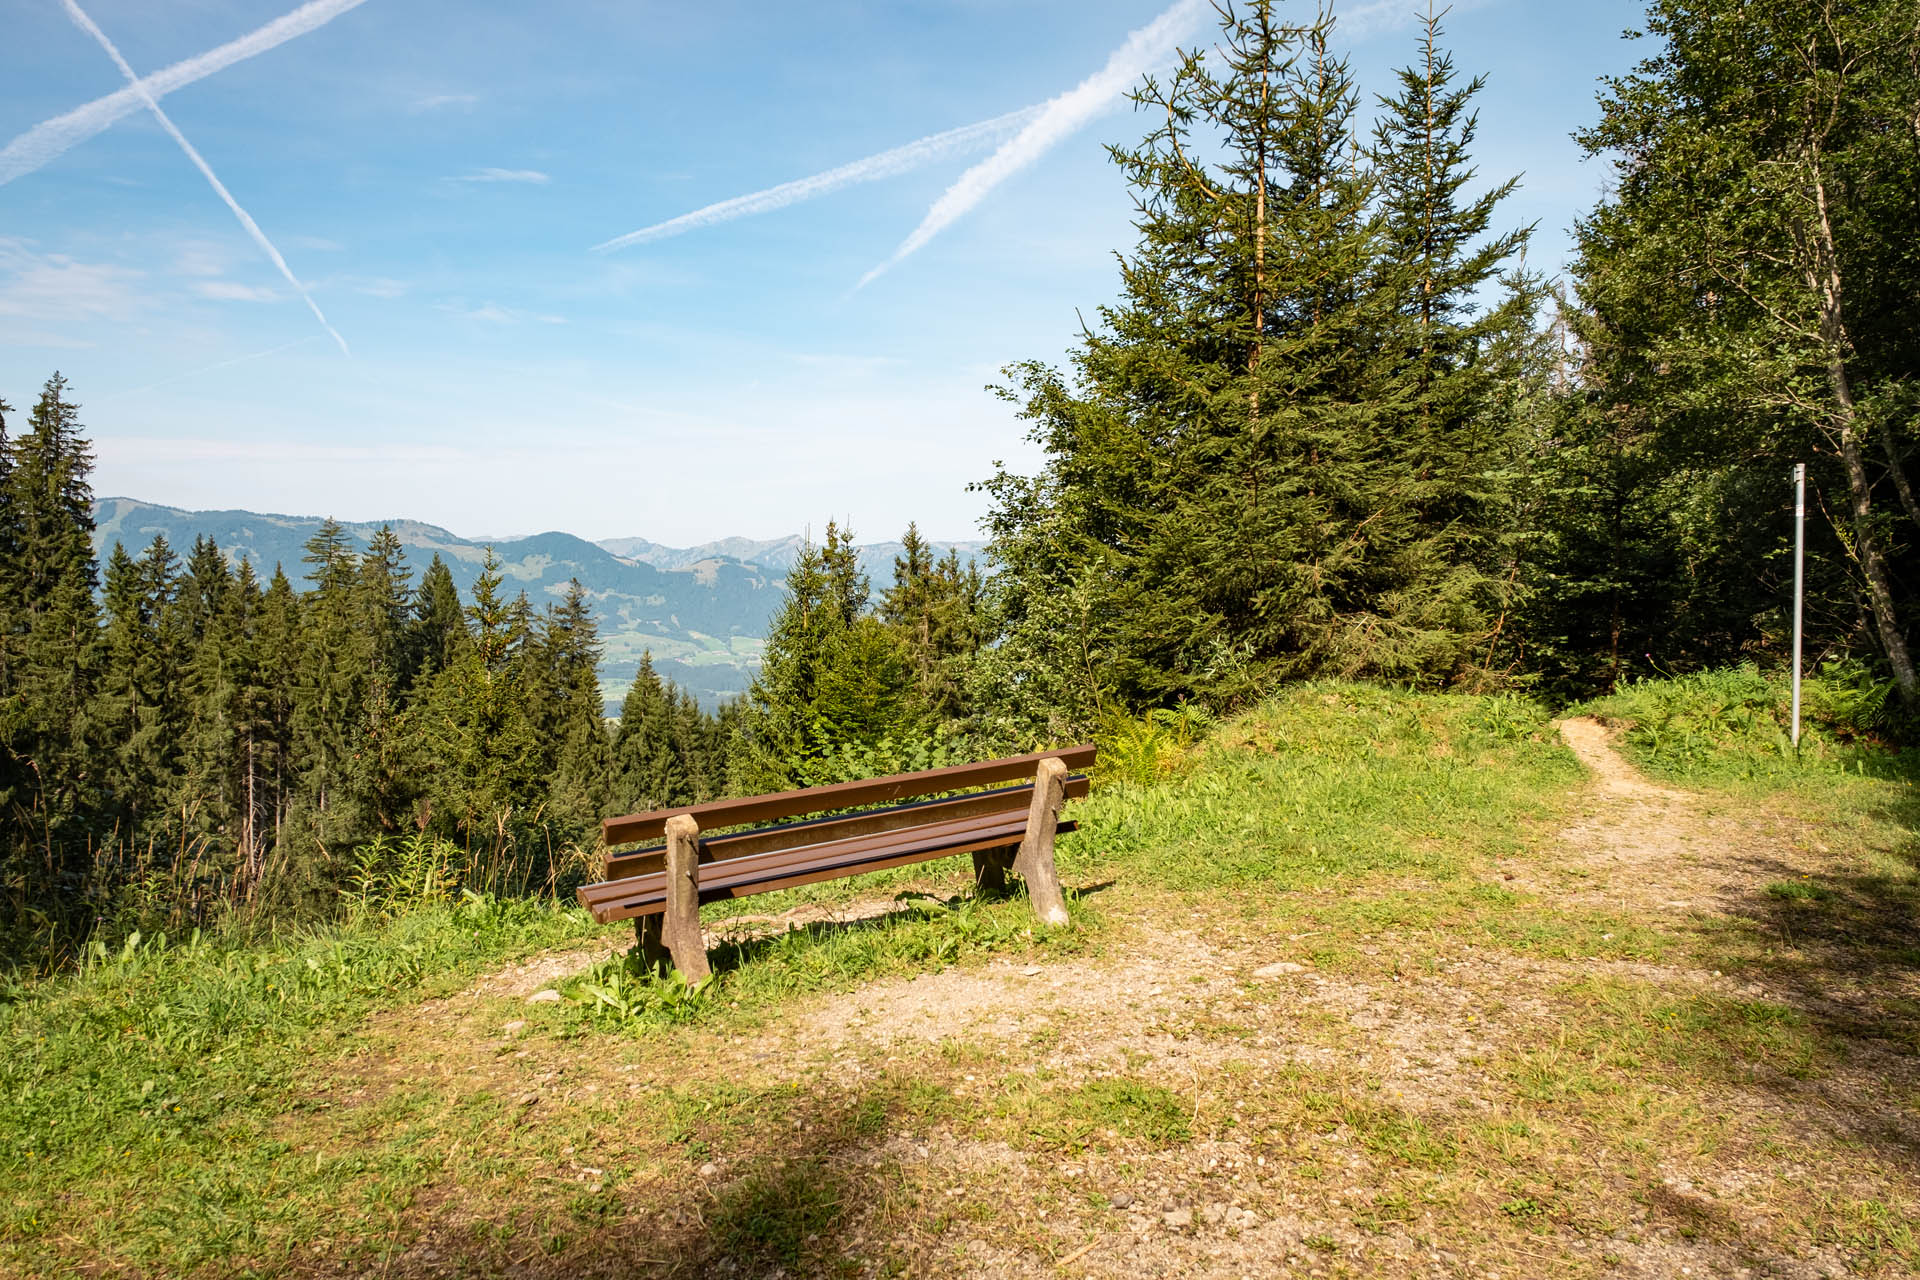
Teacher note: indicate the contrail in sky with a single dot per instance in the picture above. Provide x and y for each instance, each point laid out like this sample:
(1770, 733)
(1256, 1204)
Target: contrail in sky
(885, 164)
(1144, 50)
(246, 219)
(50, 138)
(194, 373)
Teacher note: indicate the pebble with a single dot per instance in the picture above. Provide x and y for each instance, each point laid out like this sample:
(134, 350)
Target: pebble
(1120, 1200)
(709, 1169)
(1279, 969)
(515, 1027)
(545, 996)
(1178, 1219)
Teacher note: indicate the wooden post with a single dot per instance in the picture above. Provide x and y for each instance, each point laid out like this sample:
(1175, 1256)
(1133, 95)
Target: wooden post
(682, 917)
(649, 942)
(1034, 862)
(990, 867)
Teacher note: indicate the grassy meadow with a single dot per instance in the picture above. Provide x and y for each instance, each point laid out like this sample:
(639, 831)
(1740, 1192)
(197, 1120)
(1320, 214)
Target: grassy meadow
(1336, 1000)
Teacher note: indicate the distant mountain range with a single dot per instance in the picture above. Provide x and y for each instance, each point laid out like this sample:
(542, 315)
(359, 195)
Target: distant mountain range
(775, 554)
(702, 611)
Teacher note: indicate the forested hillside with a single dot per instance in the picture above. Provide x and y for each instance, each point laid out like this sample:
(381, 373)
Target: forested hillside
(1330, 427)
(701, 614)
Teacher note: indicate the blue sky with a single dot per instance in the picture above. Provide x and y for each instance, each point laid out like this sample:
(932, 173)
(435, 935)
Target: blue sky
(437, 176)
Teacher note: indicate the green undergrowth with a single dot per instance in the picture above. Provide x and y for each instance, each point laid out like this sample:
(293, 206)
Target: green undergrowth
(1734, 725)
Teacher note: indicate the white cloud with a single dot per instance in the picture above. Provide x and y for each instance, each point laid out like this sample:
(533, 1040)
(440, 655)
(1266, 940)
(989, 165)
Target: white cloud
(54, 288)
(381, 287)
(494, 313)
(506, 175)
(51, 138)
(233, 291)
(440, 101)
(1062, 116)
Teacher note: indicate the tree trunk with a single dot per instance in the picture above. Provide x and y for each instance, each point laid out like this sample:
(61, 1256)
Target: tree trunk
(1899, 474)
(1823, 274)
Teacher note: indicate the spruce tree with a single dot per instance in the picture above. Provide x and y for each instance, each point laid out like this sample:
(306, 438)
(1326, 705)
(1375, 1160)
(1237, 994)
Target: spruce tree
(570, 715)
(274, 707)
(474, 723)
(1238, 484)
(1460, 445)
(936, 609)
(331, 683)
(647, 770)
(438, 626)
(53, 760)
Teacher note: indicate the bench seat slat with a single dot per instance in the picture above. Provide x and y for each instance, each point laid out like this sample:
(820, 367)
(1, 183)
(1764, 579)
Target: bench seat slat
(845, 852)
(786, 868)
(844, 795)
(821, 830)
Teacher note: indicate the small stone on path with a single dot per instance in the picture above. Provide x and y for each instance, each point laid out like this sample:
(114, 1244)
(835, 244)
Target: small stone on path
(1119, 1199)
(546, 995)
(1178, 1219)
(1279, 969)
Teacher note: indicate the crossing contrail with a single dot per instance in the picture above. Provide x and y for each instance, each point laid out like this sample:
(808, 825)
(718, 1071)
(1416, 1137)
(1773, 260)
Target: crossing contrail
(885, 164)
(50, 138)
(221, 364)
(1144, 50)
(86, 24)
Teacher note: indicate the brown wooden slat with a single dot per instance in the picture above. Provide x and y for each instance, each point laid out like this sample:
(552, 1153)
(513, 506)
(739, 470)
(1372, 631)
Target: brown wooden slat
(834, 852)
(630, 906)
(845, 795)
(821, 830)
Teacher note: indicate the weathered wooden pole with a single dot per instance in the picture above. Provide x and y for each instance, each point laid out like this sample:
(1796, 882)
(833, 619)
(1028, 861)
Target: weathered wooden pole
(1034, 862)
(682, 917)
(990, 867)
(649, 942)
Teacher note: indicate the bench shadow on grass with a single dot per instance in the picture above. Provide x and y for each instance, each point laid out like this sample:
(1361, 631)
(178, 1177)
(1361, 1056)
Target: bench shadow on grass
(805, 1184)
(818, 1181)
(726, 953)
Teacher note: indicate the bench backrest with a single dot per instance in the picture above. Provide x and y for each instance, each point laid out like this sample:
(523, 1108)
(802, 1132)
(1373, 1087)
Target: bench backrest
(843, 795)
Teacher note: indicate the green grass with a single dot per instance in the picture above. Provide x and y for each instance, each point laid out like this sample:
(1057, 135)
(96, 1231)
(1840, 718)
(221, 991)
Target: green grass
(290, 1106)
(1733, 725)
(1329, 783)
(152, 1066)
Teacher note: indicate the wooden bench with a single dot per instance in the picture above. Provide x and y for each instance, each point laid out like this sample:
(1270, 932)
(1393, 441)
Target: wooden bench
(1007, 827)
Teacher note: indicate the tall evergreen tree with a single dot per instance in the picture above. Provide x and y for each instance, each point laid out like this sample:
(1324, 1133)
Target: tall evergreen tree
(438, 627)
(476, 724)
(1237, 484)
(569, 714)
(937, 609)
(833, 674)
(648, 771)
(52, 774)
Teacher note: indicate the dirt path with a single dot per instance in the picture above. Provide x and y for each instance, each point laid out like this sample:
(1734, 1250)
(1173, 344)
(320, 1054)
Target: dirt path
(1308, 1089)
